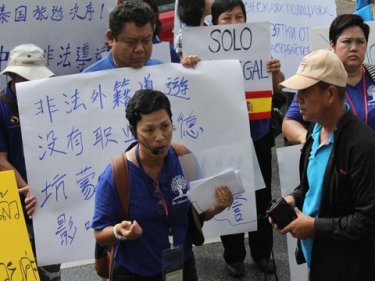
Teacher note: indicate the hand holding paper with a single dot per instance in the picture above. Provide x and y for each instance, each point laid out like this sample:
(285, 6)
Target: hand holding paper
(202, 192)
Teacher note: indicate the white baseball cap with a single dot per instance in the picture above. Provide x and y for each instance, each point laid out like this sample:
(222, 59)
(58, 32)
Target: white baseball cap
(28, 61)
(321, 65)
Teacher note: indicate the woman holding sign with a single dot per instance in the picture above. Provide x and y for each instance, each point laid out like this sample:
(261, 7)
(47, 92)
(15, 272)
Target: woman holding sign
(155, 235)
(234, 12)
(348, 35)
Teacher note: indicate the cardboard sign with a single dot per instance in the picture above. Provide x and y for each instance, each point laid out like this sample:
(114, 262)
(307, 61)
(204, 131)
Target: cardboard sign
(17, 260)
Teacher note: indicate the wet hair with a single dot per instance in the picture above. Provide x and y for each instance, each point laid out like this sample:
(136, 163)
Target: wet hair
(221, 6)
(191, 12)
(344, 21)
(145, 102)
(130, 11)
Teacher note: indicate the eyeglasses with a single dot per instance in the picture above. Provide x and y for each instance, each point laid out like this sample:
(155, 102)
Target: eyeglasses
(161, 203)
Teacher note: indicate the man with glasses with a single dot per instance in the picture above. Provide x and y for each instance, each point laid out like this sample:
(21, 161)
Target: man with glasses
(130, 33)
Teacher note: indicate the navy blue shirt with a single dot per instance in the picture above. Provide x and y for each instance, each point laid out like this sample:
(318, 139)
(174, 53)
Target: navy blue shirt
(10, 134)
(143, 256)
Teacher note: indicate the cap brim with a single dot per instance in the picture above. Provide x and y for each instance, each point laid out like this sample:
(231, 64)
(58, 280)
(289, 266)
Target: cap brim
(298, 82)
(29, 72)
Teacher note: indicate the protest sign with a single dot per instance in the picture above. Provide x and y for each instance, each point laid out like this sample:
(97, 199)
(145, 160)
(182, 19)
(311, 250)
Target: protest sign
(288, 160)
(17, 260)
(72, 126)
(291, 21)
(71, 33)
(248, 43)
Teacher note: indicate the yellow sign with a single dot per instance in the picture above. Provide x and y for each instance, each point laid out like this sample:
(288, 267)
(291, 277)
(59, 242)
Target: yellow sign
(17, 260)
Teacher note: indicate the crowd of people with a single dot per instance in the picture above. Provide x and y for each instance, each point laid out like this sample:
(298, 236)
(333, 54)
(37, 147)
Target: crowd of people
(330, 115)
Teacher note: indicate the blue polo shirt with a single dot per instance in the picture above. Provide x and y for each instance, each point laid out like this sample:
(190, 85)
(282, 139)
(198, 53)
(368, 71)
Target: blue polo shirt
(316, 168)
(108, 63)
(10, 134)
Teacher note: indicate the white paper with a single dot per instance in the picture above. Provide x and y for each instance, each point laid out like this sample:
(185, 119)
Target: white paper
(202, 192)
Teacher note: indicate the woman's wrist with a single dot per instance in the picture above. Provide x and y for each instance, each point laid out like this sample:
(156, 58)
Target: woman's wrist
(118, 236)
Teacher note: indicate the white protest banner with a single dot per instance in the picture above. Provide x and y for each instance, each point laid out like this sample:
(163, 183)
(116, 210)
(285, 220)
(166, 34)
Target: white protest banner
(320, 40)
(72, 33)
(251, 45)
(248, 43)
(72, 125)
(161, 52)
(291, 21)
(288, 160)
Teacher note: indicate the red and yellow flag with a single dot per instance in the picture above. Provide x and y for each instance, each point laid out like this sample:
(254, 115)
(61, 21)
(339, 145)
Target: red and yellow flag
(259, 104)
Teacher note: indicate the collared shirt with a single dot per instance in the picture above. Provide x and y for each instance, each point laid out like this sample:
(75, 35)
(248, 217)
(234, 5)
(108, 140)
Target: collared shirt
(10, 134)
(318, 160)
(108, 63)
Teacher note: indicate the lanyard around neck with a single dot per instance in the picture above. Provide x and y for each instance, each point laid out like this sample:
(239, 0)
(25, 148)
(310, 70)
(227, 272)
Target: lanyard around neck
(364, 91)
(155, 184)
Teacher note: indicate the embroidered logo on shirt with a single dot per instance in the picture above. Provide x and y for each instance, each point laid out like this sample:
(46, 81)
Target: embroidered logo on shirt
(179, 185)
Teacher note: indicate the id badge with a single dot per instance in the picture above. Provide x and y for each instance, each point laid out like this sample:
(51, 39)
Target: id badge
(172, 264)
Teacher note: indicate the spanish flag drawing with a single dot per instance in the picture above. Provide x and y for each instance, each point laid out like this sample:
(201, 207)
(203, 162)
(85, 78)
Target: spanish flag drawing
(259, 104)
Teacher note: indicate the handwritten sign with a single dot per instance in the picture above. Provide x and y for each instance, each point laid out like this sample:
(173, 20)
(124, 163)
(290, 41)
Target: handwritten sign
(320, 40)
(291, 21)
(72, 126)
(16, 256)
(71, 32)
(288, 160)
(248, 43)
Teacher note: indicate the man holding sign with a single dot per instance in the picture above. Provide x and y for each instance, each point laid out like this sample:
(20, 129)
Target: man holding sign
(131, 29)
(26, 63)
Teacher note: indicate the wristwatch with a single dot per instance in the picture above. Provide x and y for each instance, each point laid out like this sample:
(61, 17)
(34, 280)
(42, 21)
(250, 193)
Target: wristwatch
(118, 236)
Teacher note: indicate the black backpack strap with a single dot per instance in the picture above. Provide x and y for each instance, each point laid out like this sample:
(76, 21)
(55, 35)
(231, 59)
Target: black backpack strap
(10, 103)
